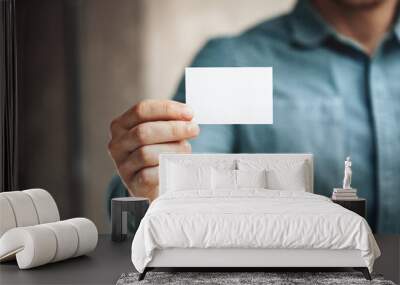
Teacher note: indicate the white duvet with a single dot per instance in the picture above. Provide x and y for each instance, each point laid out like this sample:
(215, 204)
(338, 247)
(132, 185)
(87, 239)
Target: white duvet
(250, 218)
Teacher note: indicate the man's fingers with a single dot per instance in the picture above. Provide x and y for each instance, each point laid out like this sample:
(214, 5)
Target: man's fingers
(156, 133)
(151, 133)
(154, 110)
(143, 132)
(146, 177)
(147, 156)
(145, 183)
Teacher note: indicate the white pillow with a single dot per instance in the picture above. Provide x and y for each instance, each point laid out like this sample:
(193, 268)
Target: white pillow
(188, 177)
(251, 178)
(282, 174)
(293, 179)
(223, 179)
(235, 179)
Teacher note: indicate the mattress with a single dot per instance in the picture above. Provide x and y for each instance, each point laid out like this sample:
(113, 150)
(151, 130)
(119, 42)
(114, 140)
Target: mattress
(250, 219)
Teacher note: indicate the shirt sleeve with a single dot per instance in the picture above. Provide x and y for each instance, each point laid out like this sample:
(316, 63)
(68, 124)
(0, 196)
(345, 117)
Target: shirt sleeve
(212, 138)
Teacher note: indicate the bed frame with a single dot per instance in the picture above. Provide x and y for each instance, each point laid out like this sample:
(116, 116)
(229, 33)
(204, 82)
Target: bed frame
(245, 259)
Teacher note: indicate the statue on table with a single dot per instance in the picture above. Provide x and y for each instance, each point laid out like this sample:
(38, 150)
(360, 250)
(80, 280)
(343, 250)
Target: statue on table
(347, 174)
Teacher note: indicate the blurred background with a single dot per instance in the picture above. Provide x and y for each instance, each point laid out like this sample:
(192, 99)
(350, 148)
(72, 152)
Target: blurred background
(80, 63)
(83, 62)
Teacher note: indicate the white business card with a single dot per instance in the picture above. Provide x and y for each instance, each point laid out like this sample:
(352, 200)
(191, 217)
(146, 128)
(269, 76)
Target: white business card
(233, 95)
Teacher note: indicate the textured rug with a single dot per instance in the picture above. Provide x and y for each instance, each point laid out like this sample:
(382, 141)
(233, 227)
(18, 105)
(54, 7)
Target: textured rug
(273, 278)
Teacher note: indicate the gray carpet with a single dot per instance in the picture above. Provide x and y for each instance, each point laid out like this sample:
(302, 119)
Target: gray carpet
(225, 278)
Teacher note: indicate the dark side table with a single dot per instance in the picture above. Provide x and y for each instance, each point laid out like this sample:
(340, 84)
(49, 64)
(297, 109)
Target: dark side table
(126, 210)
(358, 205)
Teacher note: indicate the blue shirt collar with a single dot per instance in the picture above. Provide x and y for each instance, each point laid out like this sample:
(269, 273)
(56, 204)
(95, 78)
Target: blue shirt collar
(310, 30)
(307, 26)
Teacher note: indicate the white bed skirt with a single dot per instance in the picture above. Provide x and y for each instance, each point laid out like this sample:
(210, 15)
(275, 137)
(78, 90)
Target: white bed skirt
(235, 257)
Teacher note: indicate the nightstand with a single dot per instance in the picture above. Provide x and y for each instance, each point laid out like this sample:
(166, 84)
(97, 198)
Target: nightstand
(358, 206)
(121, 208)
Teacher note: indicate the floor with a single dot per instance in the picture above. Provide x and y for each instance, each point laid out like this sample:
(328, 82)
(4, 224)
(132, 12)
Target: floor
(389, 262)
(102, 266)
(110, 260)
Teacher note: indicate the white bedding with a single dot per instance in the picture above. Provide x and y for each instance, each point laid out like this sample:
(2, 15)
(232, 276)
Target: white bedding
(251, 218)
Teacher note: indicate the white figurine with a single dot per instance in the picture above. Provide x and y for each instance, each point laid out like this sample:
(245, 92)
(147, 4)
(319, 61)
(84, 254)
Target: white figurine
(347, 174)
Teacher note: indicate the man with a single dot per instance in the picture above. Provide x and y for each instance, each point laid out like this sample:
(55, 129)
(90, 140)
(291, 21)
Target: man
(336, 94)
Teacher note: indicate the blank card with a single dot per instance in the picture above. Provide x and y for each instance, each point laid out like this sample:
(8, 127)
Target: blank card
(234, 95)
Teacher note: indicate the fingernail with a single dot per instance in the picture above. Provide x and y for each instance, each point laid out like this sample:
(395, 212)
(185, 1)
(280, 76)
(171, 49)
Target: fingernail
(187, 112)
(192, 127)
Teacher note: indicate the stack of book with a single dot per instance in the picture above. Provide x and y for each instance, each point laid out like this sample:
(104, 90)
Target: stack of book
(344, 194)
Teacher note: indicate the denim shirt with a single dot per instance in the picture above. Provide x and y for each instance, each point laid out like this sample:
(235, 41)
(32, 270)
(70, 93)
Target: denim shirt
(331, 99)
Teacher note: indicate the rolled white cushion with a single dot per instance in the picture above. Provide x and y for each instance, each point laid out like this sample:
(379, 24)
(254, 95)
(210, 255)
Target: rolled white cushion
(37, 245)
(45, 205)
(67, 240)
(33, 246)
(87, 235)
(23, 208)
(7, 218)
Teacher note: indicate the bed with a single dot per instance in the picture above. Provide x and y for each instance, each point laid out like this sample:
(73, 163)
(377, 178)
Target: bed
(247, 211)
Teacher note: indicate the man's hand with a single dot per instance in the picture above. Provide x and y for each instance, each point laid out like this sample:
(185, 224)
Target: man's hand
(143, 132)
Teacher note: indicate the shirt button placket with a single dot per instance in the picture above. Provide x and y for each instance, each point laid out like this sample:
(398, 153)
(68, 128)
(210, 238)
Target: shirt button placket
(385, 147)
